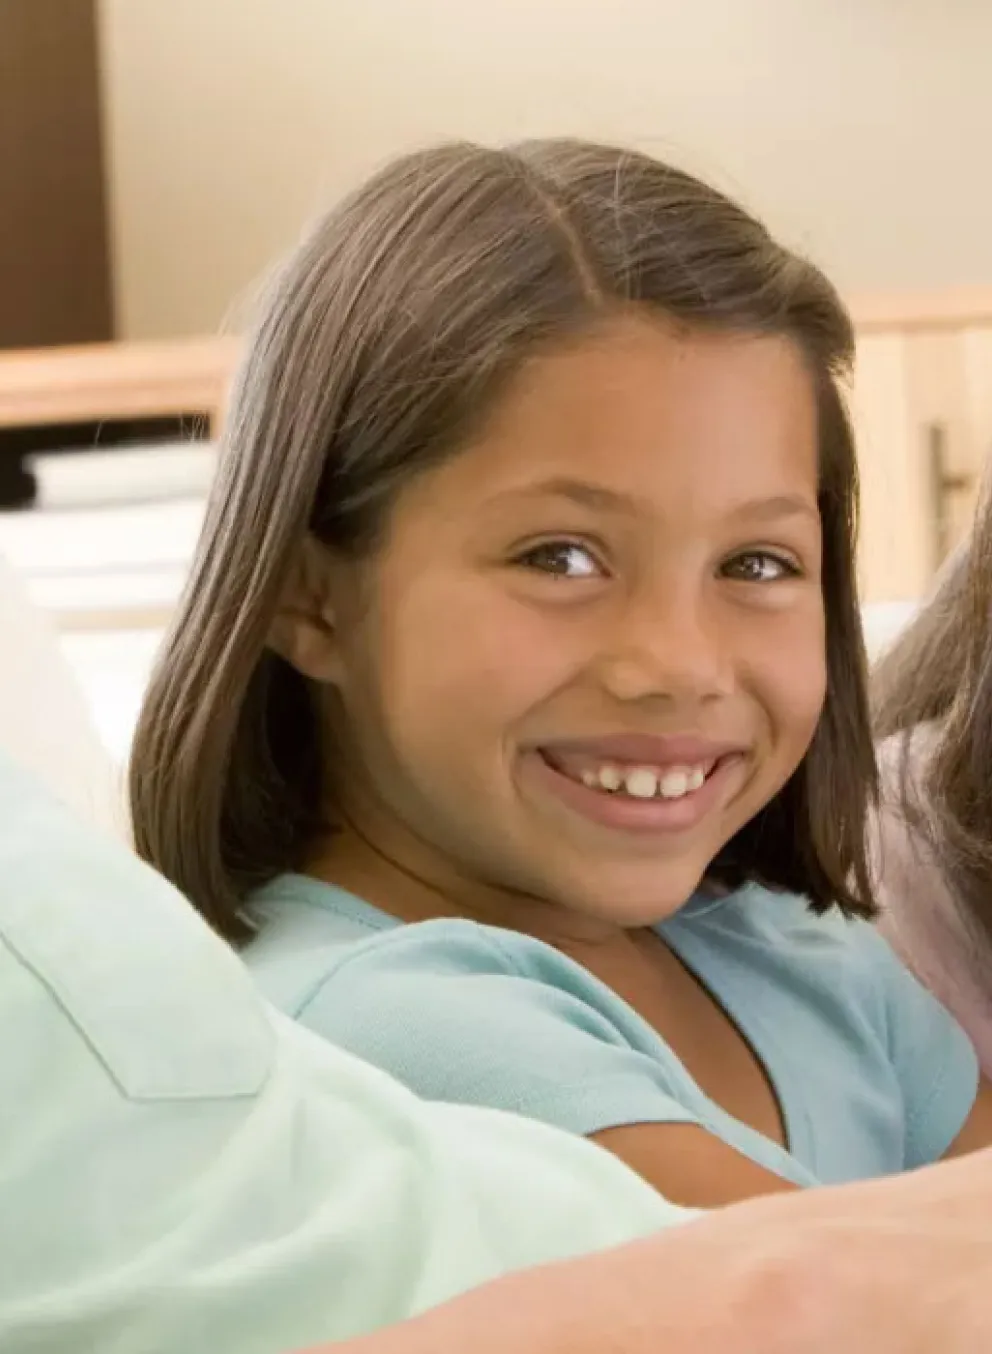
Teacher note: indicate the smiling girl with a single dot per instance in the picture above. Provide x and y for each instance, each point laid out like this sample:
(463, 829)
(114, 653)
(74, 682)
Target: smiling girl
(514, 719)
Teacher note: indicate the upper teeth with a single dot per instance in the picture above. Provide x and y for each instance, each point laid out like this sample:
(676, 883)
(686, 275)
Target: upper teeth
(645, 782)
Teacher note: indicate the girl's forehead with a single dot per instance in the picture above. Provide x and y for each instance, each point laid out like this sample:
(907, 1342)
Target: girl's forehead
(640, 416)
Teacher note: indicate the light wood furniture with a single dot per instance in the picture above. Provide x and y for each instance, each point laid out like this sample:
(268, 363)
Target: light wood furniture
(117, 381)
(921, 402)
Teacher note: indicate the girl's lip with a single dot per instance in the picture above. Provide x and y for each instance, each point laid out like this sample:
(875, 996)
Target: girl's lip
(630, 749)
(643, 817)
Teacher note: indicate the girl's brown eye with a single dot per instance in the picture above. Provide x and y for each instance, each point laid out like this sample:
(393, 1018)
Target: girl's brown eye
(760, 566)
(561, 559)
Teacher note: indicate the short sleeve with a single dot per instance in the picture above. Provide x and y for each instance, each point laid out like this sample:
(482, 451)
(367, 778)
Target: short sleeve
(934, 1060)
(442, 1007)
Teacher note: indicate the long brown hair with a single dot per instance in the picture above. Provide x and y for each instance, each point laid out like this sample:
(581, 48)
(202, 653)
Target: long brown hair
(384, 341)
(918, 676)
(938, 676)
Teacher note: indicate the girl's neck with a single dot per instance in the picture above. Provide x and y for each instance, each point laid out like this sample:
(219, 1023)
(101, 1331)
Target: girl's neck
(414, 890)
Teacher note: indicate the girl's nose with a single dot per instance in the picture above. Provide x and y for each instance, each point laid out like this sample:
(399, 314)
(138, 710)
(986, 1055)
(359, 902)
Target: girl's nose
(669, 649)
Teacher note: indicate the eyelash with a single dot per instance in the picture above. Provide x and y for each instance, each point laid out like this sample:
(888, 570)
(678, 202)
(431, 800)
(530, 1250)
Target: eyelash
(788, 568)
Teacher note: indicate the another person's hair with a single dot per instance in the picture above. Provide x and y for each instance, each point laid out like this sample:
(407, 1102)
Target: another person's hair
(918, 676)
(385, 342)
(936, 680)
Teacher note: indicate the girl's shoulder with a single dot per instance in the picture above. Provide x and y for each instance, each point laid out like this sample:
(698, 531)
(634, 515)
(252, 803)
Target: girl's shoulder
(760, 927)
(829, 982)
(462, 1012)
(789, 960)
(309, 933)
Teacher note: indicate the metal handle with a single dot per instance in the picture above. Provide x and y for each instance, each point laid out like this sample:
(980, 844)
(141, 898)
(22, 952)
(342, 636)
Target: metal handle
(944, 484)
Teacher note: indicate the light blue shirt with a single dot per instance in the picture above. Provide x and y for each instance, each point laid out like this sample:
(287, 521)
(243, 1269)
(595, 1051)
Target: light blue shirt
(872, 1074)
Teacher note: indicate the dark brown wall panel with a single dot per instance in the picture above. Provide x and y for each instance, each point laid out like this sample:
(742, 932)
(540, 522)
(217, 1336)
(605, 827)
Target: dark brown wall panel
(55, 282)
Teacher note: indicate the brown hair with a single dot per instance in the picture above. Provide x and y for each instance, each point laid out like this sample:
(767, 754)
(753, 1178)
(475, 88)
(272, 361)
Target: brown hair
(938, 676)
(918, 676)
(385, 340)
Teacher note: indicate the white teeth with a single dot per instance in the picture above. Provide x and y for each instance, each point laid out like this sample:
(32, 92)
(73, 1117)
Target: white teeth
(641, 782)
(644, 782)
(674, 784)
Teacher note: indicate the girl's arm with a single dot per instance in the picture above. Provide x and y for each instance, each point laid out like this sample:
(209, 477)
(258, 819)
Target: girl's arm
(977, 1132)
(689, 1166)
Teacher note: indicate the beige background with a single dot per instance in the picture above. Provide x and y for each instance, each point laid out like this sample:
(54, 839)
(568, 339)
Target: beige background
(860, 128)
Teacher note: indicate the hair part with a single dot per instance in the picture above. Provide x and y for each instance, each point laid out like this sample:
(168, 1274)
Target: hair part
(384, 342)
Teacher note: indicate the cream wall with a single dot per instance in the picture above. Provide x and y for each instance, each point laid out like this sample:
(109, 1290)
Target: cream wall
(861, 128)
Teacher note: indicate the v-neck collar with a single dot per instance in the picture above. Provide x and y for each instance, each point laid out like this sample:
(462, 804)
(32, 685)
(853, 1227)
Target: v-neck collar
(680, 934)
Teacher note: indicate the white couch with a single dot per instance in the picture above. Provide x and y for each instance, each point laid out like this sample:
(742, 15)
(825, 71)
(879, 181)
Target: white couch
(45, 721)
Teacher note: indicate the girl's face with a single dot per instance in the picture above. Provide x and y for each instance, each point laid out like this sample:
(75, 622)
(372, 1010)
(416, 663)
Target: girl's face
(593, 645)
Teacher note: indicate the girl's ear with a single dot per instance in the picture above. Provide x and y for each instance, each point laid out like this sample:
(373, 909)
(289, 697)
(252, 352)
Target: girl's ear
(304, 631)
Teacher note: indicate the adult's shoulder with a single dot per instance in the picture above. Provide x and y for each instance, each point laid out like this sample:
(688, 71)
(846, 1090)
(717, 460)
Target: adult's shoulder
(903, 759)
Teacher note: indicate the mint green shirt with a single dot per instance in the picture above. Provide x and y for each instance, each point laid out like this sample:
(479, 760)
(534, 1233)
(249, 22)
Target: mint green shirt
(183, 1171)
(872, 1075)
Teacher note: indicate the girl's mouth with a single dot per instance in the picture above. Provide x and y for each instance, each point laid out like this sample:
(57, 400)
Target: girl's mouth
(641, 786)
(635, 780)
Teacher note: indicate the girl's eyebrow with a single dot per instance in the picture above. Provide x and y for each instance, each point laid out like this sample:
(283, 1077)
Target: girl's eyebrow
(778, 506)
(583, 492)
(598, 497)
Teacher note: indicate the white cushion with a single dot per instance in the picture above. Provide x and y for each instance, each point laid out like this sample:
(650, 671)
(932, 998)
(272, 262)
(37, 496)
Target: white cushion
(45, 723)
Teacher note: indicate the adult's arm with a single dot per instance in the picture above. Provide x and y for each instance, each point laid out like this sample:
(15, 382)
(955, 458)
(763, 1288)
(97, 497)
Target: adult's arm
(181, 1170)
(880, 1268)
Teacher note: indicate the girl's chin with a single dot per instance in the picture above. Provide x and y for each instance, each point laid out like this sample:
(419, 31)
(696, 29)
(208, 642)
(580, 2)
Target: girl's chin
(615, 898)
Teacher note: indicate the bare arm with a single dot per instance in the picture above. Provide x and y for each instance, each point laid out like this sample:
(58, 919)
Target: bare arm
(688, 1165)
(645, 1298)
(977, 1132)
(877, 1268)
